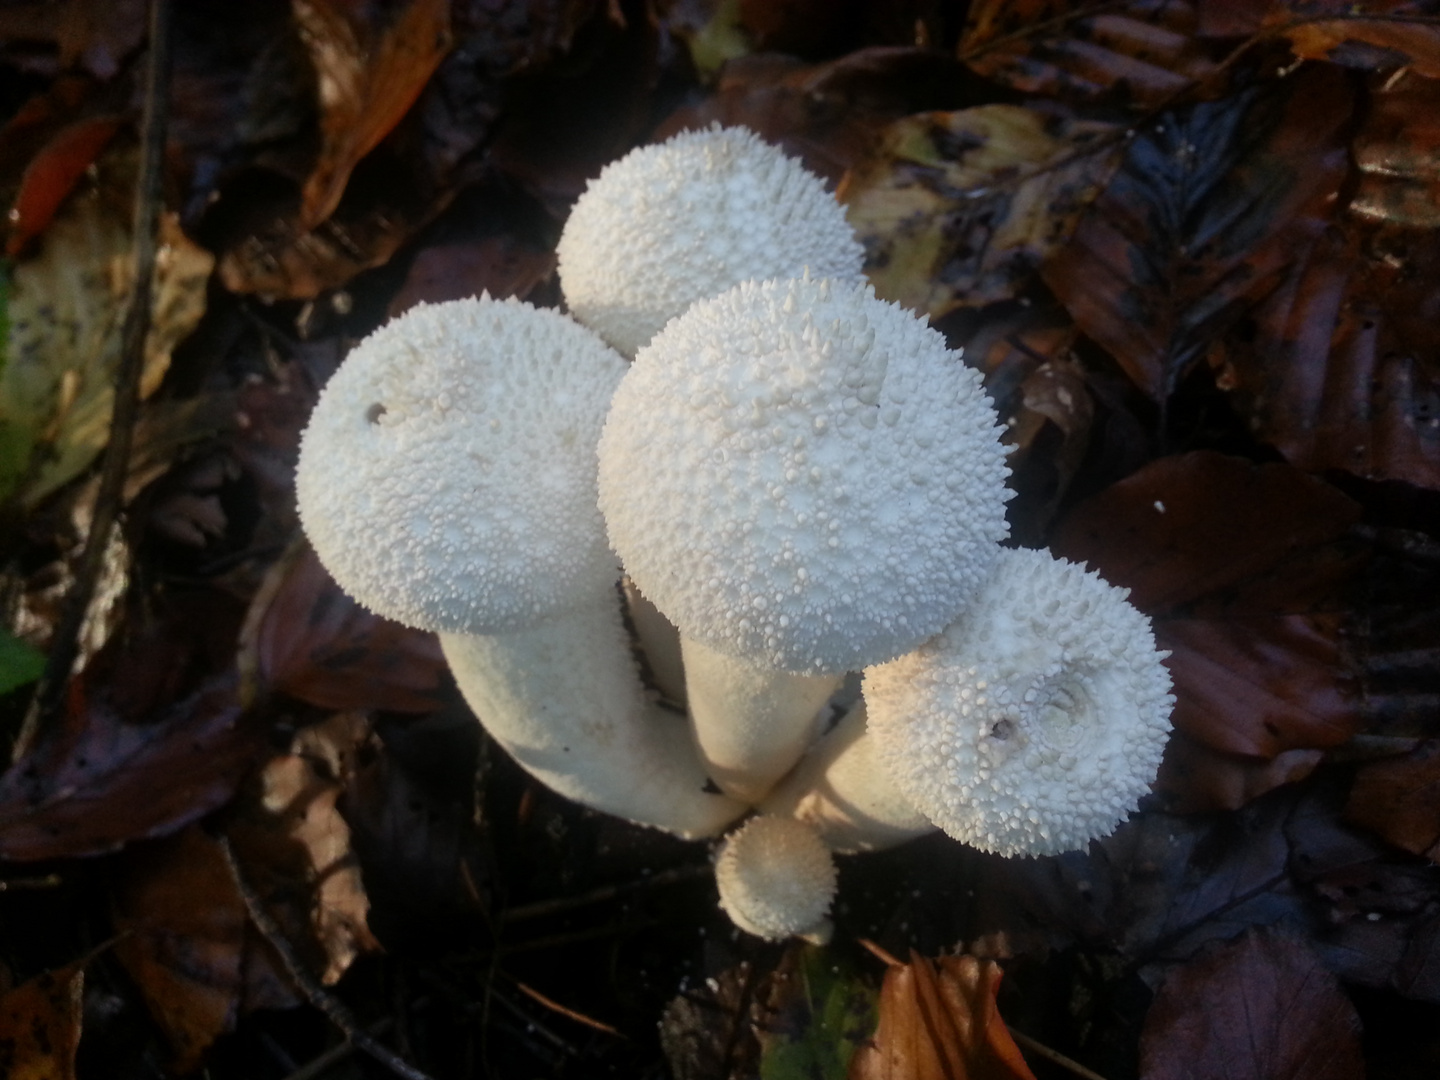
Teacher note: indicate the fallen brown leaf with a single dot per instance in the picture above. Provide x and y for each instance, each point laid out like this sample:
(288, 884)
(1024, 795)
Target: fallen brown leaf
(1399, 798)
(1352, 40)
(295, 846)
(1133, 53)
(306, 638)
(368, 73)
(1201, 222)
(188, 944)
(1260, 1008)
(40, 1024)
(941, 1025)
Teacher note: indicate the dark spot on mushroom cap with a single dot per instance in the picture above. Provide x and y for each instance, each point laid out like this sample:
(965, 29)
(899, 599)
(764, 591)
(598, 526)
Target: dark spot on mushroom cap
(374, 412)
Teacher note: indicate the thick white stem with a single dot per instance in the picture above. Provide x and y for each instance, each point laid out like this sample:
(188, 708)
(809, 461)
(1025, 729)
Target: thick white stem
(840, 790)
(564, 699)
(751, 724)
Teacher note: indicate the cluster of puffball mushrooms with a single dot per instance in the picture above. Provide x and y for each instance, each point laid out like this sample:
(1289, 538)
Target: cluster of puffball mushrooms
(797, 481)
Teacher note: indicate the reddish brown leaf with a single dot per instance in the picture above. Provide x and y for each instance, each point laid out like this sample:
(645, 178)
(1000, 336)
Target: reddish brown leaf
(1139, 52)
(368, 75)
(1260, 686)
(1341, 371)
(1360, 39)
(188, 945)
(1261, 1008)
(1201, 223)
(306, 638)
(500, 265)
(40, 1026)
(1397, 150)
(1242, 567)
(1215, 531)
(941, 1025)
(1399, 798)
(52, 175)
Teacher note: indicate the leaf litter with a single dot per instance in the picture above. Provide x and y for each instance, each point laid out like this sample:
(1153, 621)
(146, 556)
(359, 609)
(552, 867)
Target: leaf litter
(1189, 245)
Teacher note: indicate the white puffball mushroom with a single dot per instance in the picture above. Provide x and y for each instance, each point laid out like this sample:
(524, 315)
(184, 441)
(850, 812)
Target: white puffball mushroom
(439, 480)
(800, 474)
(447, 480)
(777, 880)
(805, 480)
(1036, 722)
(686, 219)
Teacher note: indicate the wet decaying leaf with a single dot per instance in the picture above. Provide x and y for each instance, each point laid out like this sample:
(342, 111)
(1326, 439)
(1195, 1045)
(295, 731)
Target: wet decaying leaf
(40, 1025)
(295, 845)
(53, 174)
(189, 946)
(939, 1021)
(1352, 40)
(66, 309)
(705, 1029)
(1340, 372)
(306, 638)
(152, 738)
(1138, 52)
(1261, 1008)
(960, 209)
(1397, 151)
(1201, 223)
(1241, 566)
(1195, 777)
(1400, 799)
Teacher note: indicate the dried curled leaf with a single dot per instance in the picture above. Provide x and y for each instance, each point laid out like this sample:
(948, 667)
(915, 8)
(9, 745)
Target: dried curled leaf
(1261, 1008)
(368, 75)
(959, 209)
(941, 1025)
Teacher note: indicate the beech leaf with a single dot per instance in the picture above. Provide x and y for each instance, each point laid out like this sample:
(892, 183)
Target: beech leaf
(40, 1023)
(1200, 223)
(941, 1025)
(1260, 1008)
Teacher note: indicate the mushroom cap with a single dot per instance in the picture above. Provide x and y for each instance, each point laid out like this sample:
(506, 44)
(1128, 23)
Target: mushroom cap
(447, 478)
(777, 879)
(684, 220)
(803, 476)
(1036, 722)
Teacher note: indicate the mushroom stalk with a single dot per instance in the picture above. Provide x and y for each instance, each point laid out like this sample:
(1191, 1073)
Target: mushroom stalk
(751, 724)
(564, 699)
(841, 791)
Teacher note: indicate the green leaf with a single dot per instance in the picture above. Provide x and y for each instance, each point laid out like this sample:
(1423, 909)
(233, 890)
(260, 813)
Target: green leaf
(822, 1011)
(19, 663)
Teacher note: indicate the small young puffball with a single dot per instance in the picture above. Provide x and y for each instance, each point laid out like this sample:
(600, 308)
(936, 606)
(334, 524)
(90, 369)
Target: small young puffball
(777, 879)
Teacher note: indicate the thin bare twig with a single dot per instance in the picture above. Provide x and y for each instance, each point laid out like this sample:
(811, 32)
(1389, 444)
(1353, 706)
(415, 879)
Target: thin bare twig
(309, 985)
(606, 892)
(111, 492)
(1026, 1042)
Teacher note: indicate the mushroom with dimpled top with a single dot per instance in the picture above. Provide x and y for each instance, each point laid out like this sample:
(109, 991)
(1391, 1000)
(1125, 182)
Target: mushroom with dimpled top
(447, 480)
(806, 481)
(682, 221)
(1036, 722)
